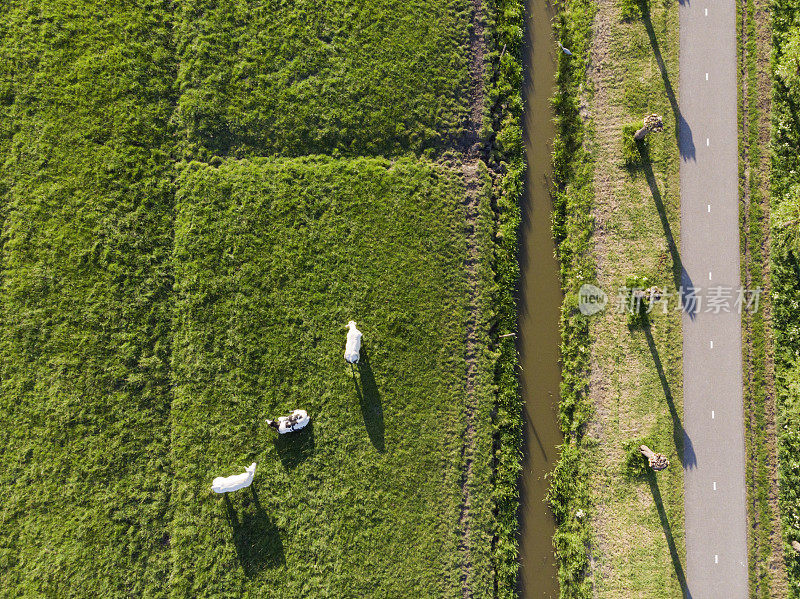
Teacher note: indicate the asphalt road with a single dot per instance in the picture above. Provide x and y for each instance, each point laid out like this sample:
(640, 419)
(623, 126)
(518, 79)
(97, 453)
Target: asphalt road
(714, 455)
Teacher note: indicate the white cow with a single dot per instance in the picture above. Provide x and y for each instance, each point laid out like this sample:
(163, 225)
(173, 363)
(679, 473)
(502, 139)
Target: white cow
(353, 347)
(226, 484)
(287, 424)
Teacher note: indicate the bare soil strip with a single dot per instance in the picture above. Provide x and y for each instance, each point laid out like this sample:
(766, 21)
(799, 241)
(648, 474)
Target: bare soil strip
(472, 151)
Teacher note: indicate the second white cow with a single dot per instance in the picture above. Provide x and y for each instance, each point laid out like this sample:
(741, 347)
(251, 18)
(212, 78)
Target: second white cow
(226, 484)
(353, 347)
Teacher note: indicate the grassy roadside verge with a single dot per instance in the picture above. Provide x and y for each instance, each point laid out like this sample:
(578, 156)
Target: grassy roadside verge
(621, 384)
(767, 574)
(636, 383)
(785, 277)
(572, 228)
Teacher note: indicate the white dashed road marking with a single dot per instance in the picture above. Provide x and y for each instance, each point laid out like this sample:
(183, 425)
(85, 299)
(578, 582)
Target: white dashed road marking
(712, 44)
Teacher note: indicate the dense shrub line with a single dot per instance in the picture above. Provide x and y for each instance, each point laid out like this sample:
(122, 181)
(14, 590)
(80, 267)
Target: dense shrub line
(568, 495)
(503, 129)
(785, 272)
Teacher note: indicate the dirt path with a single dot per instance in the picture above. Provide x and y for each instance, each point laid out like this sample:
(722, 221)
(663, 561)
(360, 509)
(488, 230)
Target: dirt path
(472, 156)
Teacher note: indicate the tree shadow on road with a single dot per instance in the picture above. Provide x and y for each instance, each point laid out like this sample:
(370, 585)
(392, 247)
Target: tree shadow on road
(673, 550)
(680, 276)
(683, 444)
(683, 133)
(255, 536)
(369, 398)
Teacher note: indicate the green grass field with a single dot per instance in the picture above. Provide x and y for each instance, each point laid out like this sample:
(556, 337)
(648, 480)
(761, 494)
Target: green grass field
(316, 76)
(85, 301)
(272, 258)
(155, 311)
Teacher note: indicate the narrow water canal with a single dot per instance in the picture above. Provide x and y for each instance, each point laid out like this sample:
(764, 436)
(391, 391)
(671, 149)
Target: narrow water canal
(540, 301)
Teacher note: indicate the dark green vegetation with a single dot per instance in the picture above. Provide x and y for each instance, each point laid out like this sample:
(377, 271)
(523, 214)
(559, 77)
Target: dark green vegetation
(785, 271)
(634, 153)
(767, 575)
(572, 228)
(155, 310)
(499, 308)
(316, 76)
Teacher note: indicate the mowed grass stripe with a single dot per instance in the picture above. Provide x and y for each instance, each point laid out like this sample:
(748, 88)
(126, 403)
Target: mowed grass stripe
(85, 304)
(321, 76)
(272, 258)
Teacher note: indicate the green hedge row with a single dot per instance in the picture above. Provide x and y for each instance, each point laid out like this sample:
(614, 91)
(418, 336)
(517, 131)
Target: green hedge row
(785, 273)
(568, 495)
(503, 127)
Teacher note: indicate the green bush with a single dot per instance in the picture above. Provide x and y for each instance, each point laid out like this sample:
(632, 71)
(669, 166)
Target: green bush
(631, 149)
(633, 9)
(784, 269)
(637, 309)
(634, 463)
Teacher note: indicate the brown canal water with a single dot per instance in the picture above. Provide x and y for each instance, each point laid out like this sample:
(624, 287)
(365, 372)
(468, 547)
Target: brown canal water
(539, 307)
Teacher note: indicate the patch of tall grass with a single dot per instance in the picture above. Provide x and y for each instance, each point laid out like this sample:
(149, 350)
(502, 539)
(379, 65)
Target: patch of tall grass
(572, 229)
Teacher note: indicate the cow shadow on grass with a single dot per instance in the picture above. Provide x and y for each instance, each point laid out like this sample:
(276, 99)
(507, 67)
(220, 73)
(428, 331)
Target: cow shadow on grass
(296, 447)
(369, 398)
(650, 476)
(255, 535)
